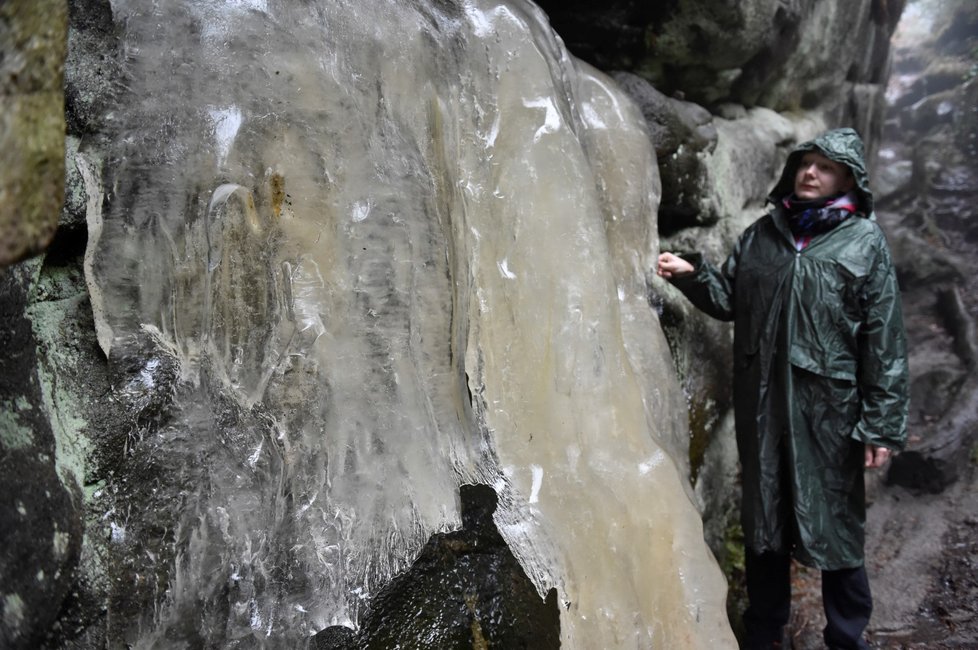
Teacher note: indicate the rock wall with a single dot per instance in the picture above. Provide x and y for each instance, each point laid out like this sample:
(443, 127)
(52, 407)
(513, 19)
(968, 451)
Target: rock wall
(927, 199)
(798, 55)
(41, 507)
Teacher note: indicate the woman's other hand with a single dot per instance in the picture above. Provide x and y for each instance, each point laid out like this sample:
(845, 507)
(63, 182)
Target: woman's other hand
(672, 266)
(877, 456)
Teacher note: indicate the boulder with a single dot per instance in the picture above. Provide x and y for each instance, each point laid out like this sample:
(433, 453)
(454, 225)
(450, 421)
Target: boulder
(940, 75)
(32, 52)
(466, 589)
(930, 112)
(682, 134)
(760, 52)
(923, 263)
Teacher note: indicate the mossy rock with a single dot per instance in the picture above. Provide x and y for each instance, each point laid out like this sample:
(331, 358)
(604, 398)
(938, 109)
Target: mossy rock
(33, 38)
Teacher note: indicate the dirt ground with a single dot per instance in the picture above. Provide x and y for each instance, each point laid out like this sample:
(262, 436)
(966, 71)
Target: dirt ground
(922, 558)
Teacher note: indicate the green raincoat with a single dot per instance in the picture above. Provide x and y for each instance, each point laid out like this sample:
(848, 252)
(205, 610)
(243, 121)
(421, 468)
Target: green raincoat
(820, 367)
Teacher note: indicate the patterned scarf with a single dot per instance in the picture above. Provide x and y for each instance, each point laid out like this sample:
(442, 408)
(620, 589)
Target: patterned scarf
(809, 218)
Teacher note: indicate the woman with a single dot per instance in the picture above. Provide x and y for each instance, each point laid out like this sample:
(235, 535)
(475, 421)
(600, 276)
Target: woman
(820, 379)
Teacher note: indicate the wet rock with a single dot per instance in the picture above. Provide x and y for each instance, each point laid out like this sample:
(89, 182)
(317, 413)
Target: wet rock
(337, 637)
(760, 52)
(933, 390)
(76, 198)
(930, 112)
(465, 590)
(611, 36)
(91, 68)
(682, 133)
(966, 118)
(893, 178)
(865, 111)
(40, 512)
(947, 449)
(921, 262)
(941, 75)
(41, 541)
(960, 27)
(960, 324)
(894, 154)
(918, 472)
(146, 371)
(59, 385)
(673, 123)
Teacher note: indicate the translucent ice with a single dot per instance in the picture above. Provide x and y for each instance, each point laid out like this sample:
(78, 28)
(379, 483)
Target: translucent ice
(414, 236)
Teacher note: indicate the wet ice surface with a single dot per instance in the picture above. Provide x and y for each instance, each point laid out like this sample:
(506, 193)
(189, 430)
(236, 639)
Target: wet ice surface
(394, 247)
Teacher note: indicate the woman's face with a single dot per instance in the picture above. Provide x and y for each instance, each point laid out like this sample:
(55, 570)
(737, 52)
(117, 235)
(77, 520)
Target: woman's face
(818, 176)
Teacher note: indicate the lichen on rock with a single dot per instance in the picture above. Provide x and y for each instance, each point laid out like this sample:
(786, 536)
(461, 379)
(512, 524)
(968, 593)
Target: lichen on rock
(32, 127)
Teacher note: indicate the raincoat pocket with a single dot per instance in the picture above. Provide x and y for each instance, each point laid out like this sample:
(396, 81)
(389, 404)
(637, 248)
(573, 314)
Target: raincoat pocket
(828, 396)
(827, 363)
(827, 406)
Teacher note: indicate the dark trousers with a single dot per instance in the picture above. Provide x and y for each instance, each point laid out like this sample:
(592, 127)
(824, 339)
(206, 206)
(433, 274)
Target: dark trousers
(845, 597)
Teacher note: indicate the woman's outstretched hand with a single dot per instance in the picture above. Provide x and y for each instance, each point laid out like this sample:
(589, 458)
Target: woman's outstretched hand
(672, 266)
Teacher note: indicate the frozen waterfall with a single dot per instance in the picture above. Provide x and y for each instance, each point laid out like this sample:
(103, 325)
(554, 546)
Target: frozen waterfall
(368, 251)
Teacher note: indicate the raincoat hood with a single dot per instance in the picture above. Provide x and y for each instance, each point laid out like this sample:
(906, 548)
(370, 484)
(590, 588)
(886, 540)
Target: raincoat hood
(841, 145)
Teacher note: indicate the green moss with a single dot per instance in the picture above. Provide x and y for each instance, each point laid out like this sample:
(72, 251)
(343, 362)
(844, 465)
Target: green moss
(13, 434)
(13, 611)
(92, 491)
(57, 296)
(733, 563)
(62, 405)
(702, 421)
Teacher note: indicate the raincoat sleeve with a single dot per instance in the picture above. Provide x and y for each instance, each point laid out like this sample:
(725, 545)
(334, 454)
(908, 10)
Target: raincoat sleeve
(710, 289)
(882, 363)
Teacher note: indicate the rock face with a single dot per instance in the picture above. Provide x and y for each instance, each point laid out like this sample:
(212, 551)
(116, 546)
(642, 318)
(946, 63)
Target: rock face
(683, 134)
(931, 141)
(32, 126)
(783, 55)
(41, 518)
(43, 329)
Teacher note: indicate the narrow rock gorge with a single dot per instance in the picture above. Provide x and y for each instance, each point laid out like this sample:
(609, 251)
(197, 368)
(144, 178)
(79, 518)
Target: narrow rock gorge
(349, 336)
